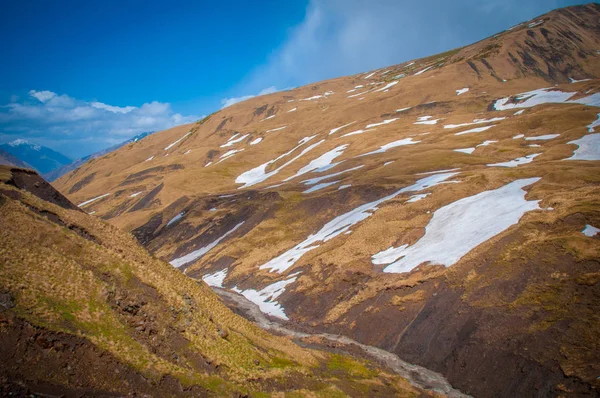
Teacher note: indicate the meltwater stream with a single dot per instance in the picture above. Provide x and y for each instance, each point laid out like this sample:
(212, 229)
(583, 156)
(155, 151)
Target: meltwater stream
(416, 375)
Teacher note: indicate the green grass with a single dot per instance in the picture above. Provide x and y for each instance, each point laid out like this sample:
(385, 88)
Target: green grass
(352, 367)
(281, 363)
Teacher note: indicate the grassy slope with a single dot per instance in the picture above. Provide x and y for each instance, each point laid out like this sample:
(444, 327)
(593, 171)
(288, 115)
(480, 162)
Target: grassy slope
(72, 273)
(534, 285)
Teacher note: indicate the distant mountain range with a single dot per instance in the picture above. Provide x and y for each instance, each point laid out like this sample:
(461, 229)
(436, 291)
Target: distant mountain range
(57, 173)
(41, 158)
(49, 163)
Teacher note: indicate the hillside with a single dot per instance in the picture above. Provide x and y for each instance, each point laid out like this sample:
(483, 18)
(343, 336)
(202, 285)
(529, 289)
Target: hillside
(442, 209)
(43, 159)
(9, 160)
(84, 310)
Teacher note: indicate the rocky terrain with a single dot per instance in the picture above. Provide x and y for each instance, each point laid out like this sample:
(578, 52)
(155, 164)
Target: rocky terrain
(445, 209)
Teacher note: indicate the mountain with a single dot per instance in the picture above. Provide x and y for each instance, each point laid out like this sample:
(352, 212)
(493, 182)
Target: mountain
(444, 209)
(9, 160)
(86, 311)
(43, 159)
(54, 174)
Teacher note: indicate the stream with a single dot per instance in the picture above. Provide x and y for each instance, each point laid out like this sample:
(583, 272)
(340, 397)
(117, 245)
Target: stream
(417, 375)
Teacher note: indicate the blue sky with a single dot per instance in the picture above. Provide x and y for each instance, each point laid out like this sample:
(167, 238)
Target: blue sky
(79, 76)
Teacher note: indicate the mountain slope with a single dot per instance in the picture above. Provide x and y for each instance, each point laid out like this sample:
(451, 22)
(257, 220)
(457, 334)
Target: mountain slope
(434, 208)
(85, 310)
(54, 174)
(41, 158)
(9, 160)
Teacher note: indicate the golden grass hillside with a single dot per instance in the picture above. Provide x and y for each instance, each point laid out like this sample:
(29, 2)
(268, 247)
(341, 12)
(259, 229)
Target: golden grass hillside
(257, 196)
(119, 321)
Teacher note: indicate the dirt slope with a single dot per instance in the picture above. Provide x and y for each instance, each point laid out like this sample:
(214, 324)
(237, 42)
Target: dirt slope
(315, 203)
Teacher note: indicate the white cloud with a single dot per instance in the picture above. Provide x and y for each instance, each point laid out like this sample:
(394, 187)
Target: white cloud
(79, 127)
(114, 109)
(342, 37)
(234, 100)
(42, 96)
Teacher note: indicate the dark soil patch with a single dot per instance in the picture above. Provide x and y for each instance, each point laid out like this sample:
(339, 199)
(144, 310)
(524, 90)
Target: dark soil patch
(82, 183)
(147, 200)
(41, 362)
(31, 182)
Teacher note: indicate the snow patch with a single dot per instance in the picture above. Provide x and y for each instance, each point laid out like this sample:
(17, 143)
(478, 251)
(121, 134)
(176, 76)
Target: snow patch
(322, 163)
(589, 148)
(320, 186)
(229, 154)
(387, 121)
(545, 96)
(359, 94)
(476, 130)
(342, 223)
(87, 202)
(196, 254)
(516, 162)
(475, 121)
(590, 230)
(176, 218)
(487, 142)
(386, 87)
(578, 81)
(233, 140)
(215, 279)
(424, 70)
(468, 151)
(176, 142)
(259, 174)
(335, 130)
(594, 124)
(276, 129)
(425, 120)
(384, 148)
(266, 298)
(416, 198)
(457, 228)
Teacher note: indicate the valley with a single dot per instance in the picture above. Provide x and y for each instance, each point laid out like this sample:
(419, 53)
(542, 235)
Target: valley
(426, 228)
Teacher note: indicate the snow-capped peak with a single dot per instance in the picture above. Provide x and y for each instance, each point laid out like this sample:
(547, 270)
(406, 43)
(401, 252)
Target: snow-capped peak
(19, 142)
